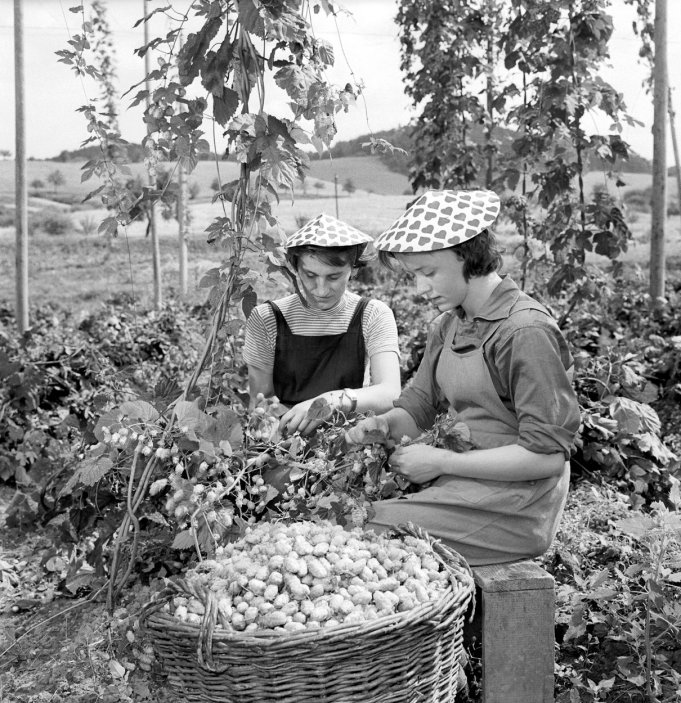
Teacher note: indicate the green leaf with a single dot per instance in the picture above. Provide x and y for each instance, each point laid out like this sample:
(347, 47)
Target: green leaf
(183, 540)
(249, 301)
(296, 81)
(210, 278)
(319, 410)
(216, 67)
(191, 58)
(188, 414)
(139, 411)
(108, 227)
(89, 472)
(250, 18)
(225, 106)
(637, 527)
(325, 52)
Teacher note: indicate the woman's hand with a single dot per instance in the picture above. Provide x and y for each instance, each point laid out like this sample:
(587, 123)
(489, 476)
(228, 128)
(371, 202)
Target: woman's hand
(369, 430)
(419, 463)
(294, 420)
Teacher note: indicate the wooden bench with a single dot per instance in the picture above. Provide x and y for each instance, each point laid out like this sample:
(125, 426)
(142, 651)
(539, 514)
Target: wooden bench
(515, 619)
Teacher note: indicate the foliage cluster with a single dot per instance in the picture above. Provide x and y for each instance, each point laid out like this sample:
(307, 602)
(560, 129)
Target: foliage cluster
(58, 377)
(50, 221)
(618, 618)
(531, 68)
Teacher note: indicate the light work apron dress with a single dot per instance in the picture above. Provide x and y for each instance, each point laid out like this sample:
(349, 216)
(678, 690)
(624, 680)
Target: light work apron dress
(488, 522)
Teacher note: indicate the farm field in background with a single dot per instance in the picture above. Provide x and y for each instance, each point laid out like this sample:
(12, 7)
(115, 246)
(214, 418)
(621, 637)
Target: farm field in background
(76, 270)
(367, 173)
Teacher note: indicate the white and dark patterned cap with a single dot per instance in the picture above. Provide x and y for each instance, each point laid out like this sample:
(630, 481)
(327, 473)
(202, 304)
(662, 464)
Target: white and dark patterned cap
(441, 219)
(326, 231)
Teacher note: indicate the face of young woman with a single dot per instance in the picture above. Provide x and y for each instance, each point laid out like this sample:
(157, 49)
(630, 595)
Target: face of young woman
(322, 284)
(438, 276)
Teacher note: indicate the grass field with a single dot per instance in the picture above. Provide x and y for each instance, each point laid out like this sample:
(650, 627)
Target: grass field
(78, 271)
(367, 173)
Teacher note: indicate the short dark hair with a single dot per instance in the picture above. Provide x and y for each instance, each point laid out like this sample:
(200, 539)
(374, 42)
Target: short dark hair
(481, 255)
(355, 255)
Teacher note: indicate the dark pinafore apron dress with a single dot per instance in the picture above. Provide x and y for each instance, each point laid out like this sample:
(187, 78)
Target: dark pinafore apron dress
(306, 366)
(488, 522)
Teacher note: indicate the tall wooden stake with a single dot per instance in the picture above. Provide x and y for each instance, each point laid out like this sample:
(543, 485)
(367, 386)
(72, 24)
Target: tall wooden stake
(659, 198)
(182, 217)
(20, 190)
(489, 130)
(335, 192)
(672, 129)
(155, 247)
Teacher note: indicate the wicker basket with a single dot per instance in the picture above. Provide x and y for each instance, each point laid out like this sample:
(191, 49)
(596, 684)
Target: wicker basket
(409, 657)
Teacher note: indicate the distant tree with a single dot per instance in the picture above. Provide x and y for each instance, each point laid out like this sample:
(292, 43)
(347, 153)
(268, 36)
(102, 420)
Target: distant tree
(56, 179)
(194, 190)
(5, 154)
(215, 184)
(37, 184)
(349, 187)
(319, 185)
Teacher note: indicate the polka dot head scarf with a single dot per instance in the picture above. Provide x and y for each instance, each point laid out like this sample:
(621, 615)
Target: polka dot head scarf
(441, 219)
(326, 231)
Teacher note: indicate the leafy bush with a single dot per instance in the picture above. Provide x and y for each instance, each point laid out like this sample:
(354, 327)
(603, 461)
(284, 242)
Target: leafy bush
(58, 377)
(88, 225)
(638, 200)
(51, 221)
(618, 623)
(6, 216)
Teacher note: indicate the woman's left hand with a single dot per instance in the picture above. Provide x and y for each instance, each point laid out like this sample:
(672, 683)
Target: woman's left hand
(419, 463)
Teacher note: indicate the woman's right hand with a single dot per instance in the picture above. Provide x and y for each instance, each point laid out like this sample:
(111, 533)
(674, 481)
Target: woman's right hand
(369, 430)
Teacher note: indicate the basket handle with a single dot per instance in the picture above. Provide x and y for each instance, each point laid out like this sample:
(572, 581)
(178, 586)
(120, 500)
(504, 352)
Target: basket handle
(204, 644)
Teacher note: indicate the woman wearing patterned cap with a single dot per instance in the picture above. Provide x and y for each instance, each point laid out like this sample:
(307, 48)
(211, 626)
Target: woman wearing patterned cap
(496, 360)
(326, 342)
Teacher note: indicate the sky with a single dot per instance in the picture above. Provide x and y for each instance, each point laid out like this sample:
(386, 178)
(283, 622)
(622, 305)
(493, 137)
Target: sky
(366, 46)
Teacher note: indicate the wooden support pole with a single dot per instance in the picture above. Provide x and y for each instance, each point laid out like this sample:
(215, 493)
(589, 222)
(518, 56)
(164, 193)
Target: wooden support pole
(672, 129)
(20, 190)
(182, 220)
(335, 191)
(153, 232)
(659, 198)
(182, 214)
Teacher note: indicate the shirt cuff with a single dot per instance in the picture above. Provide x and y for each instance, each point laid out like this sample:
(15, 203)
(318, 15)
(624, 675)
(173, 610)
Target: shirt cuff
(421, 411)
(546, 439)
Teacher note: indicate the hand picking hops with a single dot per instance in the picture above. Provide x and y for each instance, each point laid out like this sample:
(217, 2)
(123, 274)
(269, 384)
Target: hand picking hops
(310, 575)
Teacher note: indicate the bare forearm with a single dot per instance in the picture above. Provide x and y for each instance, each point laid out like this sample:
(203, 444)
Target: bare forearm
(378, 398)
(509, 463)
(420, 463)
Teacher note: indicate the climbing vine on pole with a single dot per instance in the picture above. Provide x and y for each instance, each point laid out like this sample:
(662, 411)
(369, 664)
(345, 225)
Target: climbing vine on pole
(547, 85)
(212, 89)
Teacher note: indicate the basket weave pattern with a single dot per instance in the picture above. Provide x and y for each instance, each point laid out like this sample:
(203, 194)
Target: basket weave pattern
(408, 657)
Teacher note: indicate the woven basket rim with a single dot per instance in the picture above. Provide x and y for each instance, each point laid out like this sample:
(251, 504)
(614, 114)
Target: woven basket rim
(431, 610)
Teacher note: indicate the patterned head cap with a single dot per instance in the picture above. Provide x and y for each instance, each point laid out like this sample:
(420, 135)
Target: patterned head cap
(326, 231)
(441, 219)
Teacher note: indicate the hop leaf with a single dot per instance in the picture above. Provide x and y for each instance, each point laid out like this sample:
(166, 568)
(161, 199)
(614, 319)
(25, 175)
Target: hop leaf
(319, 410)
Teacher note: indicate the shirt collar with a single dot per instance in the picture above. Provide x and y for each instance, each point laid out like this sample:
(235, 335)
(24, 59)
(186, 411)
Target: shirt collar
(498, 305)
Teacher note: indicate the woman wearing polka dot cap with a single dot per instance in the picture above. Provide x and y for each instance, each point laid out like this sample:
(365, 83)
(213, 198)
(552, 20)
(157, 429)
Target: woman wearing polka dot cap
(326, 342)
(496, 360)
